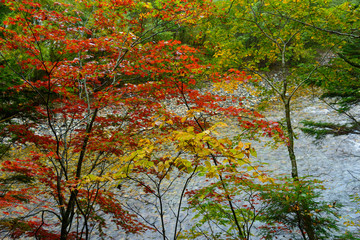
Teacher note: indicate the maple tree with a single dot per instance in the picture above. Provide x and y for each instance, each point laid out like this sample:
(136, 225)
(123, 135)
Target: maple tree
(102, 73)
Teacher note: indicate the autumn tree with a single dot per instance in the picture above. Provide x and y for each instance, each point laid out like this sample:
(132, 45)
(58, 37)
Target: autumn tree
(80, 52)
(102, 80)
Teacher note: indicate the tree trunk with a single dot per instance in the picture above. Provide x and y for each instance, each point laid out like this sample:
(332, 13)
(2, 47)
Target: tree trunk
(306, 219)
(68, 216)
(290, 144)
(308, 226)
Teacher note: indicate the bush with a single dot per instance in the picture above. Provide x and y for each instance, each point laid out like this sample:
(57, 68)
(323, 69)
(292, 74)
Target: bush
(294, 208)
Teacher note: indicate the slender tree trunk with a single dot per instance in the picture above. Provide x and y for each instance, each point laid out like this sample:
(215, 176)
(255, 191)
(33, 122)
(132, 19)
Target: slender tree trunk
(286, 100)
(67, 219)
(304, 218)
(290, 145)
(308, 226)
